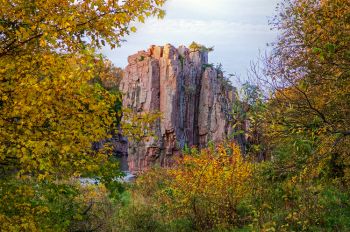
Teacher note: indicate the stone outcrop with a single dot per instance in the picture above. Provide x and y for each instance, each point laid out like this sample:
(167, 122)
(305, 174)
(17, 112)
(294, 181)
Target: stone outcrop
(192, 96)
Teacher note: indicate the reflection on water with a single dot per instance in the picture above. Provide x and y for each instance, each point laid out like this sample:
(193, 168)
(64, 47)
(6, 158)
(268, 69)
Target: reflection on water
(124, 167)
(123, 163)
(129, 177)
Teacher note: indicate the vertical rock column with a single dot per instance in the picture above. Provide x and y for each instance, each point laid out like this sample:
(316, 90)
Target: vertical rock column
(190, 98)
(215, 103)
(140, 85)
(170, 85)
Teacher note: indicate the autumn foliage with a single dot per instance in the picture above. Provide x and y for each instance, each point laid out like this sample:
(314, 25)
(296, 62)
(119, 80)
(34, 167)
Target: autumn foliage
(209, 185)
(205, 186)
(56, 101)
(307, 73)
(288, 169)
(216, 189)
(292, 123)
(51, 110)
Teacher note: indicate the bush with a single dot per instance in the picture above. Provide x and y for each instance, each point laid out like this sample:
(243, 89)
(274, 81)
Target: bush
(216, 189)
(28, 205)
(207, 188)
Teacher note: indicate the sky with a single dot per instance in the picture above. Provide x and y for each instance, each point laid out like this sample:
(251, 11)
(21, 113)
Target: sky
(238, 30)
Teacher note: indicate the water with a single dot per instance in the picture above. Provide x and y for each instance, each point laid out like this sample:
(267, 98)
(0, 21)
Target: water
(123, 164)
(127, 178)
(88, 181)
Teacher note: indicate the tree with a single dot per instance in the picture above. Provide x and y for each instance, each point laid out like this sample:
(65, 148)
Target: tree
(56, 100)
(69, 25)
(50, 109)
(248, 112)
(195, 47)
(309, 77)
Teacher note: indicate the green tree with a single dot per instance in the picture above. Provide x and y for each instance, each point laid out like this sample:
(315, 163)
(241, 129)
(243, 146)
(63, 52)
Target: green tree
(248, 112)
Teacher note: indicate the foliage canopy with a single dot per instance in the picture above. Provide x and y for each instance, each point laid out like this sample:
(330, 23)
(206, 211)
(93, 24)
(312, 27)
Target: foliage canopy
(57, 99)
(51, 110)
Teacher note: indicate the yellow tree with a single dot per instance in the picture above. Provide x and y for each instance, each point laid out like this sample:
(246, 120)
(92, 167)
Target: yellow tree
(50, 110)
(308, 73)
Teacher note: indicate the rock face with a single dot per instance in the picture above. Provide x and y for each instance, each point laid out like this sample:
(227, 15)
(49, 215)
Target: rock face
(192, 96)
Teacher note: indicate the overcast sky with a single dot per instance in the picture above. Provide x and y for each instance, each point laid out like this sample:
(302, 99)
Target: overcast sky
(236, 28)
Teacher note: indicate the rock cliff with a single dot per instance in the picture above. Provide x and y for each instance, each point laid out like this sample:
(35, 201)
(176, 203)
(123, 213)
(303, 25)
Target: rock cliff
(192, 96)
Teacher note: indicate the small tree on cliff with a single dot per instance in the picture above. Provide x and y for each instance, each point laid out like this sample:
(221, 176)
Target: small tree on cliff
(194, 47)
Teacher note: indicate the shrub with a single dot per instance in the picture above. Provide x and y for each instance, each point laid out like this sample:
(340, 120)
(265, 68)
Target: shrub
(28, 205)
(207, 188)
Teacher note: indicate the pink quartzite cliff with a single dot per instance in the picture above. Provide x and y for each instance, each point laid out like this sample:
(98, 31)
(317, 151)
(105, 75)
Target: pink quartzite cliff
(192, 96)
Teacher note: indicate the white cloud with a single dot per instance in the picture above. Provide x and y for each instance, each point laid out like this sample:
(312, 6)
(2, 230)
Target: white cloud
(237, 29)
(207, 27)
